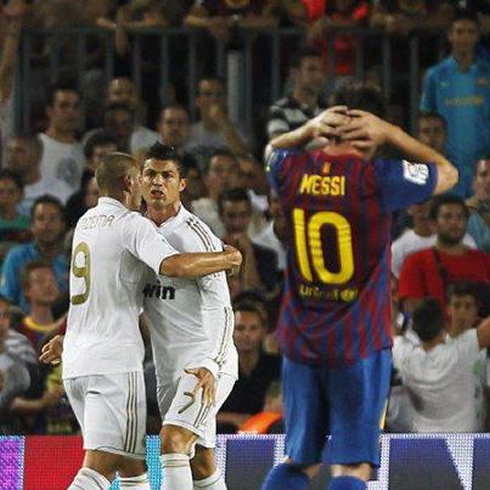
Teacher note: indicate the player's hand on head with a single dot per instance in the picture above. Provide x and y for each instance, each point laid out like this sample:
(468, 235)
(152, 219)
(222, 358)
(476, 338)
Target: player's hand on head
(326, 124)
(52, 350)
(206, 381)
(364, 129)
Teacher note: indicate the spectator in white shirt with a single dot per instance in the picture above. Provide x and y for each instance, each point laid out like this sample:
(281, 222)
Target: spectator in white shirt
(438, 372)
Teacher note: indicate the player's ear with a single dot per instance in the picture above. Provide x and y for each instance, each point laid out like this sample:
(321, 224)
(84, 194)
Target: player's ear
(183, 185)
(126, 183)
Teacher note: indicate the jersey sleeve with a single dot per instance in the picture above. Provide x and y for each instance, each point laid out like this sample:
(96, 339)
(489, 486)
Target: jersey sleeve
(278, 159)
(402, 183)
(468, 346)
(142, 239)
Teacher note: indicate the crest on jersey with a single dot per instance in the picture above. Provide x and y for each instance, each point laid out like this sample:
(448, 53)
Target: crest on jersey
(418, 173)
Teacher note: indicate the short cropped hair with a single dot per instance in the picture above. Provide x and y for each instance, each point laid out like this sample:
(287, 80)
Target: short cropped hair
(428, 319)
(443, 199)
(163, 152)
(111, 167)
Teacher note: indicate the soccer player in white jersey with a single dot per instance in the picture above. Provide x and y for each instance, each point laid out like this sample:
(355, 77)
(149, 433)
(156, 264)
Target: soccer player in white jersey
(191, 326)
(103, 350)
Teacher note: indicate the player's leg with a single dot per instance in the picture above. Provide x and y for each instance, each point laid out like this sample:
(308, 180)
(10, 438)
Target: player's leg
(133, 474)
(357, 397)
(306, 428)
(176, 445)
(204, 471)
(111, 410)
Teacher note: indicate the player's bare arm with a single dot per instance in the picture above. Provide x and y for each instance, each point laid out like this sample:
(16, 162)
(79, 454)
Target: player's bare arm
(324, 126)
(52, 350)
(200, 264)
(366, 131)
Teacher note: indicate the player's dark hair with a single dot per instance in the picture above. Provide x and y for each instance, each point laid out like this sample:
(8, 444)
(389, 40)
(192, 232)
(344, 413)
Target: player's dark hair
(465, 14)
(99, 138)
(432, 115)
(463, 288)
(219, 152)
(444, 199)
(8, 174)
(61, 86)
(48, 199)
(363, 96)
(163, 152)
(233, 195)
(428, 319)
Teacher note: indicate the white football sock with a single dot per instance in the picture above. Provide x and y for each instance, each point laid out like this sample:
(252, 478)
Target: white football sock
(89, 479)
(139, 482)
(177, 473)
(213, 482)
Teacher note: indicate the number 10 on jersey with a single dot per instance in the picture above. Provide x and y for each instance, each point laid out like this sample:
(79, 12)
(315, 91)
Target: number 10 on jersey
(309, 250)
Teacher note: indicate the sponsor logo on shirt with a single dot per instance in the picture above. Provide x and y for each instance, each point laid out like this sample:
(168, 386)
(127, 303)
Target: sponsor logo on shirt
(418, 173)
(158, 291)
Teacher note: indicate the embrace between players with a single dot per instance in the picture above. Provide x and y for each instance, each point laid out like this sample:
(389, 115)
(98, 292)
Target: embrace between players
(171, 250)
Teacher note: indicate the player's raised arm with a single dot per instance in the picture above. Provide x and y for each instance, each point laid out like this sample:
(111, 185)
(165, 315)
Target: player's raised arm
(365, 130)
(201, 263)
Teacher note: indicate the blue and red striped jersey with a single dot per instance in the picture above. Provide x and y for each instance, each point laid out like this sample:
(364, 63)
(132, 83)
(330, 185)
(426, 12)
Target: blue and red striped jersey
(336, 303)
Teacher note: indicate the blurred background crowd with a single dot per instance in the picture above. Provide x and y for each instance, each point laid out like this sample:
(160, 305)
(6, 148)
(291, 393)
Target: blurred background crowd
(217, 79)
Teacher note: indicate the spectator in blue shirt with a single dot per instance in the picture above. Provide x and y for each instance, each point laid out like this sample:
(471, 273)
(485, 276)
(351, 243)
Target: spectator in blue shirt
(48, 228)
(458, 88)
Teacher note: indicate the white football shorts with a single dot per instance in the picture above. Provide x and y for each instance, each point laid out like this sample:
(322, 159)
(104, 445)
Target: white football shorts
(111, 410)
(178, 406)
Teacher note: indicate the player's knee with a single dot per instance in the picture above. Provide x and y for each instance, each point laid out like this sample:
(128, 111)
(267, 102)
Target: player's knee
(202, 465)
(176, 439)
(132, 467)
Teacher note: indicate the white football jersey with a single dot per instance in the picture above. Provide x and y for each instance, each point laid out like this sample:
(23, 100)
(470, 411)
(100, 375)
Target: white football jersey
(112, 248)
(191, 320)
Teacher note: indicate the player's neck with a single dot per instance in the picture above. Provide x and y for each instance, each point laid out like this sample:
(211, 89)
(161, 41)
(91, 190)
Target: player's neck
(159, 216)
(431, 344)
(41, 314)
(342, 148)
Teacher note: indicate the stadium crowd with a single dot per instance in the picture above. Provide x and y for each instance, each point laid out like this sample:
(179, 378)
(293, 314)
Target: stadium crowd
(441, 247)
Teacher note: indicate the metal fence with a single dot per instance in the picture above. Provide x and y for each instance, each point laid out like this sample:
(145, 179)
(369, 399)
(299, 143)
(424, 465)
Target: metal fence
(184, 55)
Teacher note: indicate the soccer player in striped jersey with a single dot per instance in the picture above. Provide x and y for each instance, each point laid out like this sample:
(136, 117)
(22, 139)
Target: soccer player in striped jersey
(334, 324)
(102, 349)
(191, 326)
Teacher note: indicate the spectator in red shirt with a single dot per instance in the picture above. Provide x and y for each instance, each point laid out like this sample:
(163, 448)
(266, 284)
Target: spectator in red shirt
(339, 14)
(430, 271)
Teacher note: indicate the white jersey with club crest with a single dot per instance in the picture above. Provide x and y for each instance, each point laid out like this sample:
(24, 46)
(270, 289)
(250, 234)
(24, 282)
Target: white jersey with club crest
(112, 250)
(191, 320)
